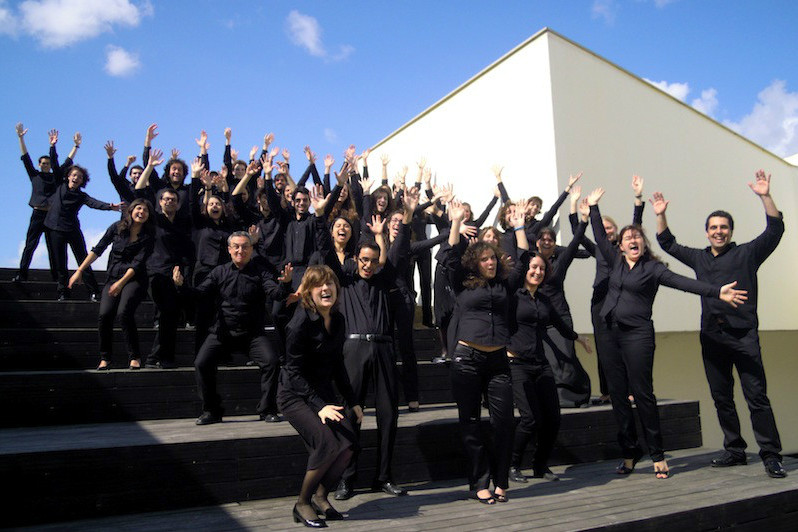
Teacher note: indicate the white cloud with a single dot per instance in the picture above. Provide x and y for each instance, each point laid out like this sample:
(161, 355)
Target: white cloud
(677, 90)
(707, 103)
(773, 122)
(121, 63)
(330, 135)
(604, 9)
(59, 23)
(8, 22)
(305, 32)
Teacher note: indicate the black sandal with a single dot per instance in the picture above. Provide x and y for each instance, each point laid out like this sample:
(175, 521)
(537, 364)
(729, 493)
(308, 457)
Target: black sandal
(487, 500)
(500, 498)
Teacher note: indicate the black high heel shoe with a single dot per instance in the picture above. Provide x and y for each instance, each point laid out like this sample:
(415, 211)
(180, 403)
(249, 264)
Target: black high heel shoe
(623, 470)
(330, 514)
(310, 523)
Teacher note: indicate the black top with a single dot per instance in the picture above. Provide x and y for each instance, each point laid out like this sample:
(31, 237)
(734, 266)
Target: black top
(43, 184)
(631, 292)
(124, 253)
(272, 230)
(554, 287)
(158, 184)
(602, 279)
(64, 207)
(405, 265)
(173, 246)
(210, 237)
(124, 188)
(241, 297)
(530, 316)
(481, 314)
(313, 359)
(364, 302)
(531, 227)
(735, 263)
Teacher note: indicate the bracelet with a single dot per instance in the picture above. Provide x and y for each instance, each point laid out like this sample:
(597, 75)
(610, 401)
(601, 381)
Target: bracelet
(639, 197)
(518, 228)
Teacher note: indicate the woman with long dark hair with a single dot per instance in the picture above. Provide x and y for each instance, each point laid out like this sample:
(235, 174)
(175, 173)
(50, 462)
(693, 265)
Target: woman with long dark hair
(131, 240)
(479, 333)
(314, 359)
(635, 275)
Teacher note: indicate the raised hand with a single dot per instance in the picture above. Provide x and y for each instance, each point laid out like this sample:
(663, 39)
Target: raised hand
(637, 185)
(328, 163)
(468, 231)
(130, 160)
(584, 209)
(53, 136)
(223, 172)
(421, 163)
(761, 184)
(594, 197)
(377, 224)
(287, 273)
(365, 183)
(152, 132)
(576, 193)
(228, 134)
(109, 147)
(177, 277)
(456, 211)
(286, 155)
(572, 179)
(385, 158)
(204, 176)
(658, 203)
(318, 200)
(254, 233)
(20, 129)
(196, 167)
(427, 178)
(234, 154)
(268, 138)
(275, 151)
(731, 296)
(518, 213)
(175, 154)
(310, 155)
(410, 199)
(349, 153)
(77, 138)
(217, 180)
(252, 152)
(497, 171)
(253, 168)
(365, 155)
(203, 138)
(156, 158)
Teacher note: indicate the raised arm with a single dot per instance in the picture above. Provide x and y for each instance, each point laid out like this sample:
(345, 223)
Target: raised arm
(154, 159)
(761, 187)
(604, 246)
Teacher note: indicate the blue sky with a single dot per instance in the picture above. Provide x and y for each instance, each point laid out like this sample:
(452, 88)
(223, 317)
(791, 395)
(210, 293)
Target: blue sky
(329, 74)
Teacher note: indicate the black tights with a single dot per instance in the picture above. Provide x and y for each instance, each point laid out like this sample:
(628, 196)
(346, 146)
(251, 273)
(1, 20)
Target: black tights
(318, 483)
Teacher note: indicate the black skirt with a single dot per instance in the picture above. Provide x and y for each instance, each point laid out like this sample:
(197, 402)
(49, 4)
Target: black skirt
(322, 441)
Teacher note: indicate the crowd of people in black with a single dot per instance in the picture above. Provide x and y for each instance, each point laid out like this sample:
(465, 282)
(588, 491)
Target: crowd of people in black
(331, 265)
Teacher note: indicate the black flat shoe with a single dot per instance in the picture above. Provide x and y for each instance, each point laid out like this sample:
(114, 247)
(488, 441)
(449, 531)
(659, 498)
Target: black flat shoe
(330, 514)
(209, 418)
(727, 459)
(390, 488)
(623, 470)
(517, 476)
(546, 474)
(774, 469)
(343, 492)
(310, 523)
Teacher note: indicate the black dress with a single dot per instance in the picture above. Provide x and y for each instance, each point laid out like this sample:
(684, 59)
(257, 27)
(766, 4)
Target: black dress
(313, 359)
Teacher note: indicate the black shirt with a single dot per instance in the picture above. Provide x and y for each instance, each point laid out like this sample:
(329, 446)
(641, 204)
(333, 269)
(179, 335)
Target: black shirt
(530, 316)
(173, 246)
(124, 253)
(735, 263)
(631, 291)
(313, 359)
(124, 188)
(210, 237)
(43, 184)
(241, 297)
(554, 287)
(272, 230)
(64, 206)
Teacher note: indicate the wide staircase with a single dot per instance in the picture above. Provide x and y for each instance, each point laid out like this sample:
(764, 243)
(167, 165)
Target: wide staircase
(78, 443)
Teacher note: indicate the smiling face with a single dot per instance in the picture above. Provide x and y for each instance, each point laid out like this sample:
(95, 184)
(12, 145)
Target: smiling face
(487, 264)
(719, 233)
(279, 182)
(215, 208)
(168, 202)
(546, 244)
(341, 232)
(44, 164)
(395, 225)
(301, 203)
(532, 209)
(75, 179)
(632, 244)
(491, 236)
(240, 170)
(367, 262)
(610, 229)
(135, 173)
(536, 272)
(240, 249)
(140, 214)
(381, 202)
(324, 297)
(176, 173)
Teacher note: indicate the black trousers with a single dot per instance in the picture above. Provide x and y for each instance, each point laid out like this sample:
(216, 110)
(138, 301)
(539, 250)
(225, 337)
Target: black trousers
(573, 382)
(204, 308)
(215, 348)
(722, 348)
(424, 265)
(167, 301)
(475, 372)
(124, 305)
(366, 361)
(601, 335)
(75, 240)
(535, 394)
(35, 230)
(403, 309)
(629, 366)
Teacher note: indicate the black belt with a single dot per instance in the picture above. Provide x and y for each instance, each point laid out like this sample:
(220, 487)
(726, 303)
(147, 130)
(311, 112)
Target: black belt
(371, 337)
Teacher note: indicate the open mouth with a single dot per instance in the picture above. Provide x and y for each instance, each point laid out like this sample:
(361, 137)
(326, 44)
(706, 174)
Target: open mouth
(326, 295)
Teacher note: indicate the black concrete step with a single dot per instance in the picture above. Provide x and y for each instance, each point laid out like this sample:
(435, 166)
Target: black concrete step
(16, 314)
(39, 290)
(60, 473)
(36, 274)
(36, 398)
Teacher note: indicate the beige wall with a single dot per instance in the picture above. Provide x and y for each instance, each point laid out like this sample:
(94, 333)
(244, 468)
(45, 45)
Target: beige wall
(679, 374)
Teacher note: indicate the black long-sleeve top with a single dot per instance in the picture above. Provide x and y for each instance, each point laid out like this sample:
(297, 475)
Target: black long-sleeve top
(530, 316)
(43, 184)
(554, 287)
(482, 314)
(532, 227)
(364, 302)
(241, 297)
(210, 237)
(631, 291)
(602, 279)
(124, 188)
(125, 254)
(156, 184)
(314, 359)
(173, 245)
(65, 205)
(269, 246)
(404, 266)
(736, 263)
